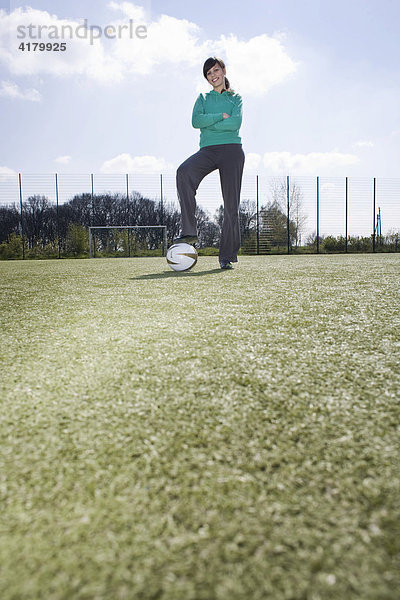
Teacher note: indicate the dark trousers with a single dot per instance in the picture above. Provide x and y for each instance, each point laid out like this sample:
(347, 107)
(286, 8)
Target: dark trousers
(229, 159)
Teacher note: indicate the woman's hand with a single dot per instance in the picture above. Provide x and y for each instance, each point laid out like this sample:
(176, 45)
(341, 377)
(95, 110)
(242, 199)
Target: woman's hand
(225, 115)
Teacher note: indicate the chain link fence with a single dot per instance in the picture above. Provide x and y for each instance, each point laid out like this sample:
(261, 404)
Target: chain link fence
(278, 214)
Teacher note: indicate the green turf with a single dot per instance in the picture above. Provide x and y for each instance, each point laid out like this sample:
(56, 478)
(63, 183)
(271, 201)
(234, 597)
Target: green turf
(227, 435)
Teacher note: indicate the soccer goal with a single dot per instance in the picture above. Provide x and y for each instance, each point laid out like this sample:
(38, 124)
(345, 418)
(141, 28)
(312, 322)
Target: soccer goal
(127, 240)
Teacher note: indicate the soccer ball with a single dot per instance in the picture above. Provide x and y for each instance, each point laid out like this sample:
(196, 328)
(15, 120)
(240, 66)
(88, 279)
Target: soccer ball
(181, 257)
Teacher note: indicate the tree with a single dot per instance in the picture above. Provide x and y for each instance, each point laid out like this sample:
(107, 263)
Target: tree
(247, 217)
(171, 217)
(12, 248)
(248, 224)
(9, 222)
(296, 210)
(37, 224)
(77, 240)
(219, 216)
(273, 224)
(312, 240)
(208, 230)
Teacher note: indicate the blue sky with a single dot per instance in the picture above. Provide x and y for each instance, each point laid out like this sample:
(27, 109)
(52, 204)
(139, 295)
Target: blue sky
(320, 83)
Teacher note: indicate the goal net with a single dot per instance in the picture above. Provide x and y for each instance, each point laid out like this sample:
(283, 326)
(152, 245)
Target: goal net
(127, 240)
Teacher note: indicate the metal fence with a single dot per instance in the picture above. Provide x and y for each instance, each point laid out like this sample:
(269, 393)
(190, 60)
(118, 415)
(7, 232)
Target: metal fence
(314, 208)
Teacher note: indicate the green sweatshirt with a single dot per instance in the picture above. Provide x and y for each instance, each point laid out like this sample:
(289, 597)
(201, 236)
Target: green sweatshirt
(207, 116)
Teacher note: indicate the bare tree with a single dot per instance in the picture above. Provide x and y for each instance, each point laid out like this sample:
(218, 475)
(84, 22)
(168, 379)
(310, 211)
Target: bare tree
(36, 211)
(273, 224)
(208, 230)
(248, 217)
(296, 209)
(9, 222)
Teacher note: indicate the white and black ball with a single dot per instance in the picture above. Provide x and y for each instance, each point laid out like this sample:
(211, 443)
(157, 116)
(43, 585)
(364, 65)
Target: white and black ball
(181, 257)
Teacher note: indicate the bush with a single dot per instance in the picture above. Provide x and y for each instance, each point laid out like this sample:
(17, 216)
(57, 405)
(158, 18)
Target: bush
(39, 251)
(334, 244)
(77, 242)
(12, 248)
(360, 244)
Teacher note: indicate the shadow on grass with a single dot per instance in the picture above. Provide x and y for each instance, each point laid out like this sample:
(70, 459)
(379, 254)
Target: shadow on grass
(169, 274)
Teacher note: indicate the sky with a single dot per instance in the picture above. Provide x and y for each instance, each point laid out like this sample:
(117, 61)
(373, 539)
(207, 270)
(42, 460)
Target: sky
(319, 80)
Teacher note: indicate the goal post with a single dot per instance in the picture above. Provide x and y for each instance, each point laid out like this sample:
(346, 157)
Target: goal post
(94, 228)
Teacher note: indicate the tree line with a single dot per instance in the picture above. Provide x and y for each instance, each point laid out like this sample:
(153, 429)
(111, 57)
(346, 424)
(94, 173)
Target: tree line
(48, 230)
(45, 230)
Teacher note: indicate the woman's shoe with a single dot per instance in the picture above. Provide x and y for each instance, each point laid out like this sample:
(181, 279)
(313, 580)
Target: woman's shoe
(225, 264)
(186, 239)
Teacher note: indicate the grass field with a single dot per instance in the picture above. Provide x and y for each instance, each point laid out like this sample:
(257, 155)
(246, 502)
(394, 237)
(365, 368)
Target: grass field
(209, 435)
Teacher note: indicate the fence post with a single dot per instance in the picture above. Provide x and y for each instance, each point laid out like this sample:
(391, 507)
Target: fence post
(380, 226)
(128, 214)
(164, 249)
(22, 217)
(165, 241)
(92, 214)
(288, 213)
(258, 217)
(161, 200)
(92, 194)
(347, 215)
(374, 225)
(58, 220)
(317, 215)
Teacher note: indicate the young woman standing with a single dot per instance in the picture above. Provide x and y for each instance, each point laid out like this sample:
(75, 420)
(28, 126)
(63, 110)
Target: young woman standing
(218, 115)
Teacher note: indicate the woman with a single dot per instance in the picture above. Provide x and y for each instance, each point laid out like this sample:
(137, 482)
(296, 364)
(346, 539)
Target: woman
(218, 115)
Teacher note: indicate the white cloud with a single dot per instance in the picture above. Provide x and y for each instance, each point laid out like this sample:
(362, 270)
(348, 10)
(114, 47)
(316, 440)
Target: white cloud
(252, 161)
(256, 64)
(125, 163)
(11, 90)
(79, 58)
(136, 13)
(6, 172)
(63, 160)
(364, 144)
(314, 163)
(170, 43)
